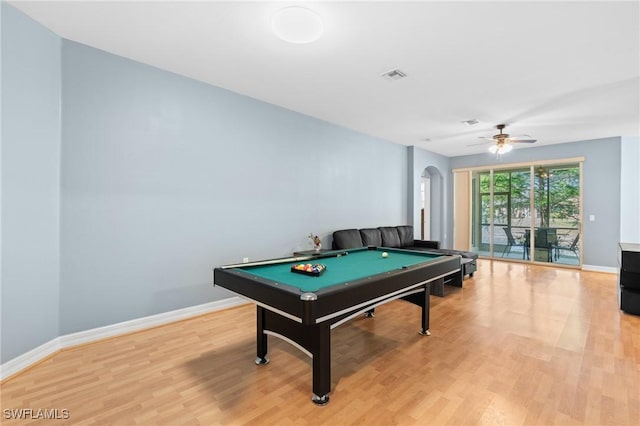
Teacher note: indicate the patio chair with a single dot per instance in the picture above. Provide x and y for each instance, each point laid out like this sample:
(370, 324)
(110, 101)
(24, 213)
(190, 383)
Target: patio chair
(573, 247)
(545, 244)
(511, 242)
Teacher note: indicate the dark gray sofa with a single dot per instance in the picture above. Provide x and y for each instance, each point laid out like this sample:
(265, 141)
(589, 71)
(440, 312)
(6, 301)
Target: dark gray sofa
(402, 237)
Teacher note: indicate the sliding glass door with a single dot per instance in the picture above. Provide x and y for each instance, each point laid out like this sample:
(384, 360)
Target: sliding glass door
(557, 204)
(527, 213)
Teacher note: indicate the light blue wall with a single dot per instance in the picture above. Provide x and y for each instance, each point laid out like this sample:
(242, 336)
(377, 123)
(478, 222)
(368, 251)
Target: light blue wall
(601, 184)
(156, 179)
(420, 160)
(164, 177)
(630, 190)
(30, 183)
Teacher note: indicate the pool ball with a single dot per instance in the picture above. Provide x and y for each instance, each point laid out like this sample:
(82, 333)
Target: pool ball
(385, 254)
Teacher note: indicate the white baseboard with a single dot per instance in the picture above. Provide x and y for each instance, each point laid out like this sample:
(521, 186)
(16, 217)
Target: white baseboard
(138, 324)
(595, 268)
(27, 359)
(35, 355)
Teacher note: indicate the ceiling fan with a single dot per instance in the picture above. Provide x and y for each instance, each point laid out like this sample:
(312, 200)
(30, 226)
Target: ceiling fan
(503, 141)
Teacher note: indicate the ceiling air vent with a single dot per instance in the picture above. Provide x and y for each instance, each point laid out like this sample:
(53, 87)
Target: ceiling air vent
(395, 74)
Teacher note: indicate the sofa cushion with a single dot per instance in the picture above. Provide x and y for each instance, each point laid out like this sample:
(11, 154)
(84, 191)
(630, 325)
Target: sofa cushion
(371, 237)
(346, 239)
(390, 237)
(405, 233)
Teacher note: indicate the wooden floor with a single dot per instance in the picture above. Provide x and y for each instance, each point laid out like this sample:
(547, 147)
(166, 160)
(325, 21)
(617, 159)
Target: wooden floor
(520, 344)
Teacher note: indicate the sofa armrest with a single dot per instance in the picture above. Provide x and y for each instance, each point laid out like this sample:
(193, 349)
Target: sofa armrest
(427, 244)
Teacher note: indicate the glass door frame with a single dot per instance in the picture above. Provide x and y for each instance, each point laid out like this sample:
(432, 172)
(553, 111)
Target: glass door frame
(475, 200)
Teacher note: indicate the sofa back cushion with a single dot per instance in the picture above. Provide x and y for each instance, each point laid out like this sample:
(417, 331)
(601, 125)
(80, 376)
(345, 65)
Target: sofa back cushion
(390, 237)
(346, 239)
(371, 237)
(405, 232)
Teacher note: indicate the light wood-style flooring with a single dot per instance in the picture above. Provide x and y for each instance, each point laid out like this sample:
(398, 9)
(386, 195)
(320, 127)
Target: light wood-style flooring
(518, 345)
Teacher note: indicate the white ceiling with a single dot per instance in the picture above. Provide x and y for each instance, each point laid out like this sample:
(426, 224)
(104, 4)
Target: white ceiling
(560, 72)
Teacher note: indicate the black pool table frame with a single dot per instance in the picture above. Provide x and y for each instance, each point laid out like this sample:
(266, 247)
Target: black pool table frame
(305, 319)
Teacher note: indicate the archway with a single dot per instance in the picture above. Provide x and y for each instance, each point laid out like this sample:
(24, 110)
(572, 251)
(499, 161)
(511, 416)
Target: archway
(432, 193)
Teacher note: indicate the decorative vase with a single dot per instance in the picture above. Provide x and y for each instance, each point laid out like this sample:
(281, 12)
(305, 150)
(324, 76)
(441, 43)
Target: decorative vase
(317, 247)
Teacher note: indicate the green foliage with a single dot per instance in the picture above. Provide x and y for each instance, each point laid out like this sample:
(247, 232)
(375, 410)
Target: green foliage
(557, 196)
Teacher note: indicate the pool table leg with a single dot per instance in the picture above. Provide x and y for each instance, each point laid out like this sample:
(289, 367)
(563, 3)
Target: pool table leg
(425, 311)
(321, 350)
(261, 340)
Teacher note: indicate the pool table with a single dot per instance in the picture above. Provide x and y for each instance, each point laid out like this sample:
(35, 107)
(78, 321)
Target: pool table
(303, 309)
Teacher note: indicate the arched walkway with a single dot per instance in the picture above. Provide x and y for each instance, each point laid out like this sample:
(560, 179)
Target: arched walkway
(433, 202)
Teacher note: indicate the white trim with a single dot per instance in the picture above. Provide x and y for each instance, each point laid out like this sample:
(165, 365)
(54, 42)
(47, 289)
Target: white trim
(30, 358)
(596, 268)
(137, 324)
(523, 164)
(581, 215)
(35, 355)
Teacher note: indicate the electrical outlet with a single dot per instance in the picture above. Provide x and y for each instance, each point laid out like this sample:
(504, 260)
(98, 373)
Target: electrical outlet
(245, 260)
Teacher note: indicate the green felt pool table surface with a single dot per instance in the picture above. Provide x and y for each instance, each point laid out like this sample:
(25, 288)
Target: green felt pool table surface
(355, 265)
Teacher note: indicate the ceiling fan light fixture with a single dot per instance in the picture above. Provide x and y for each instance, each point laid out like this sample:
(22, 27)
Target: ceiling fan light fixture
(500, 148)
(297, 25)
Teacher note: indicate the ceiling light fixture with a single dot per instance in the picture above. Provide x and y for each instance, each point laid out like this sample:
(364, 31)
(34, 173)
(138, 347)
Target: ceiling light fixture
(470, 122)
(501, 147)
(297, 25)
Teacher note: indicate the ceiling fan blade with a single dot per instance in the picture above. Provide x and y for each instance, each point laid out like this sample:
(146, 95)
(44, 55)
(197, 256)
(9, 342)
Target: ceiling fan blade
(481, 143)
(504, 138)
(516, 140)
